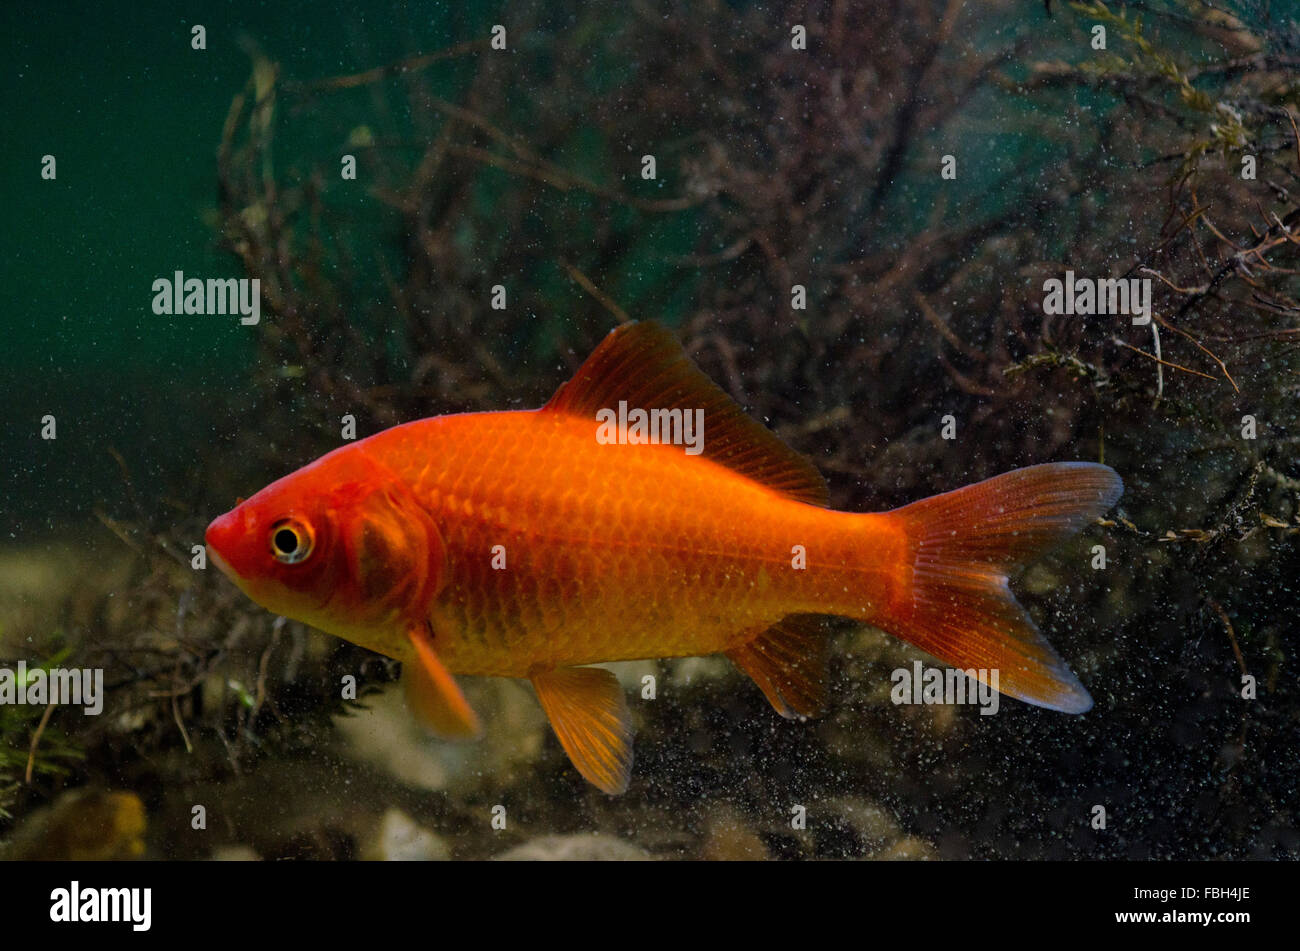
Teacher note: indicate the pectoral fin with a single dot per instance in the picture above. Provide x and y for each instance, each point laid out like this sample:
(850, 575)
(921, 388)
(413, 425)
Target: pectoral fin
(589, 714)
(432, 692)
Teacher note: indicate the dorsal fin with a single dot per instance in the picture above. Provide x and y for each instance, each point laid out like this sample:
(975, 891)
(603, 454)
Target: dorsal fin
(643, 364)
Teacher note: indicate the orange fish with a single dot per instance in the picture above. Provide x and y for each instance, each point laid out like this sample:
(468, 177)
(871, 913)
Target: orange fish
(529, 544)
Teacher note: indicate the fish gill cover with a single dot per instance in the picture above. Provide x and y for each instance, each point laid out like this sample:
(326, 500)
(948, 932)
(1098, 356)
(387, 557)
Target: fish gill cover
(923, 243)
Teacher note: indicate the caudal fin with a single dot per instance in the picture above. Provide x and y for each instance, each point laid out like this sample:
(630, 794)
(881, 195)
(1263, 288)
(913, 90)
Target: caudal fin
(964, 545)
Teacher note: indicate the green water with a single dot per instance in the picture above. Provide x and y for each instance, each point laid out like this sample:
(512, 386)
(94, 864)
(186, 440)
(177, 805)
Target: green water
(133, 115)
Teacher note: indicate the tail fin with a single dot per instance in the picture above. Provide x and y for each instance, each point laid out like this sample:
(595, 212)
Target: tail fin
(966, 543)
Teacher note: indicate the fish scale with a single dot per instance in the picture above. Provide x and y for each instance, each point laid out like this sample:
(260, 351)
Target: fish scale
(629, 552)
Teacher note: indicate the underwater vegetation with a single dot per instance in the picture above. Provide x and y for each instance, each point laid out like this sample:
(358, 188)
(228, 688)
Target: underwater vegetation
(887, 245)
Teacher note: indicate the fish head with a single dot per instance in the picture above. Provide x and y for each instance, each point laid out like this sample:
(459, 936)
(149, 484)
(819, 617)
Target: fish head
(340, 545)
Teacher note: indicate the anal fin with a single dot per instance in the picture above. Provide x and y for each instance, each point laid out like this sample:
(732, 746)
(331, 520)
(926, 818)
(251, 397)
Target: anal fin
(433, 694)
(788, 662)
(590, 716)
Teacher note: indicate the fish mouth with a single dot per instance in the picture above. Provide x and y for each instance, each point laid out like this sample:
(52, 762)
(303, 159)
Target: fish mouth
(221, 534)
(216, 559)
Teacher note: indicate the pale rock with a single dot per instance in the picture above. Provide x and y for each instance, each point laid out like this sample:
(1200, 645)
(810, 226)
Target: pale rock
(575, 848)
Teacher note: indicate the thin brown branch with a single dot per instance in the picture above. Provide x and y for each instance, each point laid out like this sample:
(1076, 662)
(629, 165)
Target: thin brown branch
(1173, 366)
(36, 741)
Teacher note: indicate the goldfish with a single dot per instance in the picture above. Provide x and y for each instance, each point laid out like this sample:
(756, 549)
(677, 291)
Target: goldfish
(534, 544)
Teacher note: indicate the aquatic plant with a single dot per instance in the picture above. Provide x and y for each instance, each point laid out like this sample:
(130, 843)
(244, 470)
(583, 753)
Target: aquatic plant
(31, 746)
(920, 299)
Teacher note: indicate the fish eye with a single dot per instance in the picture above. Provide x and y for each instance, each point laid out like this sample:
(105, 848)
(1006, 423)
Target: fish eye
(291, 541)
